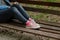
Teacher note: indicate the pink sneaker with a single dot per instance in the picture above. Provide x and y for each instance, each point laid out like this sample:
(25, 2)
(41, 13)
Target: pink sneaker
(32, 20)
(32, 25)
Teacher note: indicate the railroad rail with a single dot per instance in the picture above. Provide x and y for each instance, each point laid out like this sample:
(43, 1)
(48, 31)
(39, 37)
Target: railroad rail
(45, 30)
(48, 29)
(40, 3)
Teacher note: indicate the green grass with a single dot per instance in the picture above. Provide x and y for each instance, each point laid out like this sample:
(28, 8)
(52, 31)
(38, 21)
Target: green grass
(44, 16)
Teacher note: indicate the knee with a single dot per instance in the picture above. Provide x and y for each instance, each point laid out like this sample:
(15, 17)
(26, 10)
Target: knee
(13, 9)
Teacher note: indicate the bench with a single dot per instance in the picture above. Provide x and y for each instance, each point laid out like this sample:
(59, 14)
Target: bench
(48, 29)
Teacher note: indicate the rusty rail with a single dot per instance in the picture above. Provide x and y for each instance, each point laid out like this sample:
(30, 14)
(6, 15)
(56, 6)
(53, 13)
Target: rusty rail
(40, 3)
(40, 10)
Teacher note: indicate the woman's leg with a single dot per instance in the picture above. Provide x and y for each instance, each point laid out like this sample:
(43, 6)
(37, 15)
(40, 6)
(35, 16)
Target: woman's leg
(18, 15)
(22, 10)
(24, 13)
(21, 18)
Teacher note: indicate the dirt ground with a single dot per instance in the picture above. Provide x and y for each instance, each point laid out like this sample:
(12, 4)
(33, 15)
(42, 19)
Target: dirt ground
(6, 37)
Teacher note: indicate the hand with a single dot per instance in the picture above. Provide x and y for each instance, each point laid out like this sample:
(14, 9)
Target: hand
(15, 2)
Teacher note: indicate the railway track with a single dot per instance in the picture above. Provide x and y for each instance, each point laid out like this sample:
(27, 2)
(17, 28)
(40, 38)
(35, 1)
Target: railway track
(45, 30)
